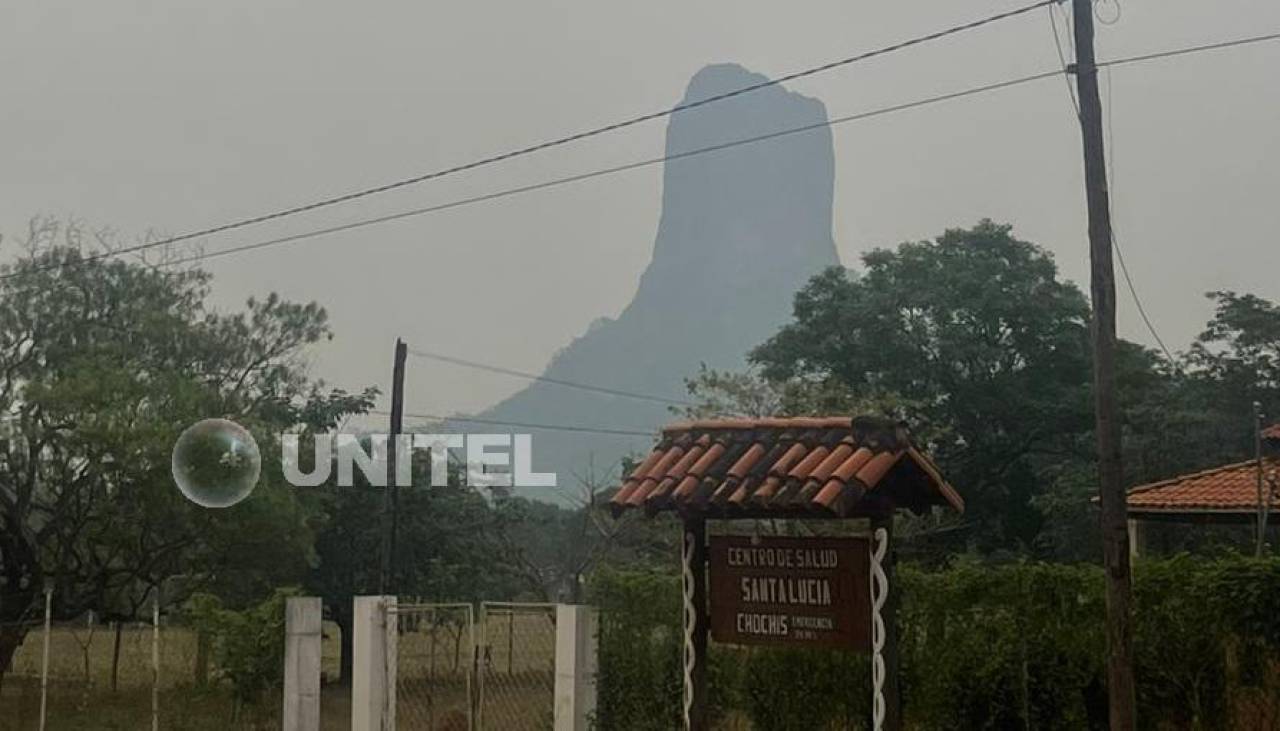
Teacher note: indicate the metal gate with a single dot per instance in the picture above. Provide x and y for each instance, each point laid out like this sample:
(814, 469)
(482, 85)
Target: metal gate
(435, 666)
(517, 666)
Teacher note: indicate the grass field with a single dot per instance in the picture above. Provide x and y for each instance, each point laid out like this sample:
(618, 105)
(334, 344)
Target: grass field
(84, 701)
(434, 661)
(69, 645)
(515, 655)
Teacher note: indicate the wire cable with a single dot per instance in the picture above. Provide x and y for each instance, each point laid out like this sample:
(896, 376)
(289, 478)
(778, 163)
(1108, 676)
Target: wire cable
(544, 379)
(1062, 58)
(525, 424)
(1115, 242)
(594, 132)
(1188, 49)
(557, 182)
(1097, 12)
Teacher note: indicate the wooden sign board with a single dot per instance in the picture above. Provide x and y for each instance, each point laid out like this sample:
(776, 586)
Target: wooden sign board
(790, 591)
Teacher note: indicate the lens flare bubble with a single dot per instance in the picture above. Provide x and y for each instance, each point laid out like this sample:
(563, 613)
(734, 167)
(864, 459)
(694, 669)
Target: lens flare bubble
(216, 463)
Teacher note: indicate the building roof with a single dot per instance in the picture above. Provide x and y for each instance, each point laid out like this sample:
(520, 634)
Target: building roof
(1230, 489)
(796, 467)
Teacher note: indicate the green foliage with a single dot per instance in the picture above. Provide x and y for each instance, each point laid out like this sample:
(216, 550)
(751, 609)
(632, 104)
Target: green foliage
(984, 647)
(247, 645)
(1017, 645)
(977, 343)
(976, 337)
(103, 363)
(446, 548)
(823, 695)
(639, 687)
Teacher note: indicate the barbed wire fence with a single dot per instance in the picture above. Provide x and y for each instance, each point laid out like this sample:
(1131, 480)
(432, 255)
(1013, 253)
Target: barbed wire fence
(68, 671)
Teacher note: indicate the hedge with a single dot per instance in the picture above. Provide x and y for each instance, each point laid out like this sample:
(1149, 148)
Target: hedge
(1007, 646)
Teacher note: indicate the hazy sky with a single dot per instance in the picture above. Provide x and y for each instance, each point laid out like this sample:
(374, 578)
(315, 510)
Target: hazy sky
(179, 115)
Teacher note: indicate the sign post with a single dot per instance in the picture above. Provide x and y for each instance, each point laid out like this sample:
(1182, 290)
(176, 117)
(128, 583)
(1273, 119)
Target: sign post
(885, 656)
(694, 584)
(817, 592)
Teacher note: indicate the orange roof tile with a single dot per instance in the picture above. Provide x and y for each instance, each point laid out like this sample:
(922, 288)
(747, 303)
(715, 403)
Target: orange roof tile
(1231, 488)
(834, 466)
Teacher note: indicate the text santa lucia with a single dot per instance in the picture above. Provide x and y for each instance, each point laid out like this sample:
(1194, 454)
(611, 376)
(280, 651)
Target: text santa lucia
(785, 590)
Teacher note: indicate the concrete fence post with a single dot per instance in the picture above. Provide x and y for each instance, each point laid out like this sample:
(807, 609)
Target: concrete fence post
(576, 662)
(373, 664)
(302, 664)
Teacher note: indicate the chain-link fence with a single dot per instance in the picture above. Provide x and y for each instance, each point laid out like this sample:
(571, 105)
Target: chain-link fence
(435, 662)
(517, 666)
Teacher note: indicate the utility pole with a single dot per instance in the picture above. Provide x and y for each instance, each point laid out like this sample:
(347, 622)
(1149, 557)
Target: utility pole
(391, 497)
(1263, 504)
(1115, 529)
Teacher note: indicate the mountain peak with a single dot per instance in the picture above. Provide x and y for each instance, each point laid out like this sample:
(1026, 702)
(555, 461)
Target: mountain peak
(741, 230)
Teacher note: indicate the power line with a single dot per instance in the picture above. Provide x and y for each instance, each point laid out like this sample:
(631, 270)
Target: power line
(540, 146)
(556, 182)
(544, 379)
(526, 425)
(1062, 57)
(1189, 49)
(1115, 242)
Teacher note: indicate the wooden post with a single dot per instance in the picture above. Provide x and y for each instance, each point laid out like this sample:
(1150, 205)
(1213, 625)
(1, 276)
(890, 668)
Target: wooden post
(1115, 538)
(890, 688)
(1262, 504)
(696, 623)
(391, 498)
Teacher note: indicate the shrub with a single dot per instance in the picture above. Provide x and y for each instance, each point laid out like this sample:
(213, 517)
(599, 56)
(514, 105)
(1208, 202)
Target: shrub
(1017, 645)
(248, 644)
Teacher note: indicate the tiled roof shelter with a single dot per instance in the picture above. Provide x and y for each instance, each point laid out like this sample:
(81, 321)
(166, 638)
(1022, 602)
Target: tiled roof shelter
(833, 467)
(1225, 493)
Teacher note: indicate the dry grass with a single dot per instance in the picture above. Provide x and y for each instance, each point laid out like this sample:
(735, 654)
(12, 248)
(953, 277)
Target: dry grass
(434, 660)
(68, 646)
(516, 657)
(80, 702)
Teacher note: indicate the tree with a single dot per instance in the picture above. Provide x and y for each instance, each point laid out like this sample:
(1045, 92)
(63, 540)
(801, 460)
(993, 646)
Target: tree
(1236, 362)
(446, 547)
(980, 341)
(103, 362)
(553, 549)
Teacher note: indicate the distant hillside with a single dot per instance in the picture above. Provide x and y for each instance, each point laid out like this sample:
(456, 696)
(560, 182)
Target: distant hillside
(741, 230)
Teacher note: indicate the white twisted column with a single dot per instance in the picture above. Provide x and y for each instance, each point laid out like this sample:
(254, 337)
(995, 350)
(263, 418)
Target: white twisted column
(693, 557)
(879, 593)
(690, 621)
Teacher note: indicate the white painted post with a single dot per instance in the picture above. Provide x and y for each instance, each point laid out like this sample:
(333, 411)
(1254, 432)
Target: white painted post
(155, 663)
(44, 656)
(302, 664)
(575, 690)
(373, 666)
